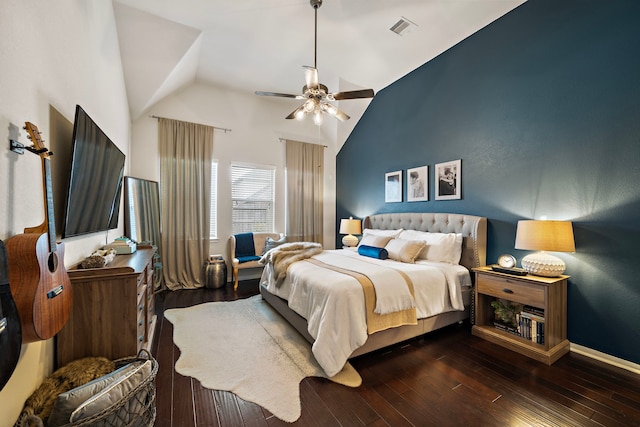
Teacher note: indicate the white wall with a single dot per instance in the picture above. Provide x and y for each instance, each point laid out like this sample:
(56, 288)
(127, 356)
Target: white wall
(256, 124)
(63, 53)
(55, 54)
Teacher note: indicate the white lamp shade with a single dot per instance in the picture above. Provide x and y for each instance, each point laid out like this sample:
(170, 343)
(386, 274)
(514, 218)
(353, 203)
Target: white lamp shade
(552, 236)
(350, 227)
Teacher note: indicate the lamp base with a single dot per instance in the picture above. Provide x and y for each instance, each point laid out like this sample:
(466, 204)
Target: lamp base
(350, 240)
(543, 264)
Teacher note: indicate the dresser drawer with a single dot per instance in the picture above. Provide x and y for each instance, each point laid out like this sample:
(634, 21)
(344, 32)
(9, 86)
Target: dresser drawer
(150, 274)
(141, 279)
(517, 291)
(141, 335)
(150, 306)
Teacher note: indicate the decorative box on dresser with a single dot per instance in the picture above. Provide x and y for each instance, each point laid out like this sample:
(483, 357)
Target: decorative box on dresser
(113, 311)
(545, 293)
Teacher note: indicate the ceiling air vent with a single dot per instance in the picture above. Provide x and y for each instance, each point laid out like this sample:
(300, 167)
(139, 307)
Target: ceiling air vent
(403, 26)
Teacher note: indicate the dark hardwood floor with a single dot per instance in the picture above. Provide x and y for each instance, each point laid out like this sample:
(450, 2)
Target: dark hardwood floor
(447, 378)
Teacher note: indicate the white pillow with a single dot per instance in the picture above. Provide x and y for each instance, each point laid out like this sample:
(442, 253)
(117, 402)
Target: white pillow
(441, 247)
(385, 233)
(375, 241)
(404, 250)
(415, 235)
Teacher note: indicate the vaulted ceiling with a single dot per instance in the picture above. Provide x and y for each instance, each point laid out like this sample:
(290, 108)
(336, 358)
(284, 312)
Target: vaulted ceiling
(249, 45)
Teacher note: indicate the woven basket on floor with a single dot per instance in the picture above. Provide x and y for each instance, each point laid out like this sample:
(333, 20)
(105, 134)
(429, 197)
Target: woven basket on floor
(135, 409)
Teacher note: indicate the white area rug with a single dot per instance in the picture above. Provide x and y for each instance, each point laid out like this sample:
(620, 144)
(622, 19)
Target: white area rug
(247, 348)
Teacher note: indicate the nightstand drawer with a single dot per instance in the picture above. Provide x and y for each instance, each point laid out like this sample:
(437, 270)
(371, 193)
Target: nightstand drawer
(517, 291)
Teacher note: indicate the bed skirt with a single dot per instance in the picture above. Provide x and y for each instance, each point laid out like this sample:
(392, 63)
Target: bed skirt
(383, 338)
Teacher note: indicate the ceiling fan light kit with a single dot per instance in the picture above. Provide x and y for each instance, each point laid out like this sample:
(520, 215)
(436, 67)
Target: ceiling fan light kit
(316, 95)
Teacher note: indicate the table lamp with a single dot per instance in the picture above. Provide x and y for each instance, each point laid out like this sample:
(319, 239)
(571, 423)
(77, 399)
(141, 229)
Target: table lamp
(350, 227)
(544, 235)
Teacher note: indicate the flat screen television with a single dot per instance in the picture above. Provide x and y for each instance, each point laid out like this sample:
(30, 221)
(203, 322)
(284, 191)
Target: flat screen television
(95, 180)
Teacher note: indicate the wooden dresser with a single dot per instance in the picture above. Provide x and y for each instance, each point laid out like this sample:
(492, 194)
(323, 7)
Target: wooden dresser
(113, 312)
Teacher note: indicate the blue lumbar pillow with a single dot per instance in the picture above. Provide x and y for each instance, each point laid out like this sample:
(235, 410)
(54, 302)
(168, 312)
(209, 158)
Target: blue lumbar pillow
(373, 252)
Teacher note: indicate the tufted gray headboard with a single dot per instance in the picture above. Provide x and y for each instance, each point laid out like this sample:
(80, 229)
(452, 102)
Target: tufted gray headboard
(472, 228)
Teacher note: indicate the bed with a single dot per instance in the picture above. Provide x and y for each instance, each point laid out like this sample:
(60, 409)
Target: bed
(335, 325)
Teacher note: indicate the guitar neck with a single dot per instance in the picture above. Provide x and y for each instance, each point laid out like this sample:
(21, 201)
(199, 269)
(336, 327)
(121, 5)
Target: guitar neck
(51, 226)
(48, 226)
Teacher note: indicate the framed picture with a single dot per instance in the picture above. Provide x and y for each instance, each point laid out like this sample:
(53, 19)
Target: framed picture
(393, 186)
(418, 184)
(447, 179)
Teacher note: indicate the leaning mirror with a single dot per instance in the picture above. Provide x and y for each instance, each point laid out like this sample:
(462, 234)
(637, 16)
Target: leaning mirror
(142, 217)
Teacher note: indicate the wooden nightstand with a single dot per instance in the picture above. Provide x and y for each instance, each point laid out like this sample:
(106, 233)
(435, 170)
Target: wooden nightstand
(546, 293)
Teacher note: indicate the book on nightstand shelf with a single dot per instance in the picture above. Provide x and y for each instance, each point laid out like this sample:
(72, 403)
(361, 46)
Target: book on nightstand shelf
(533, 310)
(529, 323)
(531, 326)
(507, 328)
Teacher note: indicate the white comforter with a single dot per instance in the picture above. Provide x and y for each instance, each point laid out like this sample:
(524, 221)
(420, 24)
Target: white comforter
(333, 303)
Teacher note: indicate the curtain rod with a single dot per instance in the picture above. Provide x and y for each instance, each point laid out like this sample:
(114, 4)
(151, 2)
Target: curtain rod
(285, 139)
(215, 127)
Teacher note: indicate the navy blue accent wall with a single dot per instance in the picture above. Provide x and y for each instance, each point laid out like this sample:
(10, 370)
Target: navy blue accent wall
(543, 108)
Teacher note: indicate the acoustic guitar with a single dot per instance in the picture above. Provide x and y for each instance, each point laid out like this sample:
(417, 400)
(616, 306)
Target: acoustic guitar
(10, 329)
(39, 281)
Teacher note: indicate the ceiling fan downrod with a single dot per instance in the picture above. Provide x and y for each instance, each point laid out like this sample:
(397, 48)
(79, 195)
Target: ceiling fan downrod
(315, 4)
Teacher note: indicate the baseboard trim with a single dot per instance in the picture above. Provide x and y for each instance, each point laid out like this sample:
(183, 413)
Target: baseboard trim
(606, 358)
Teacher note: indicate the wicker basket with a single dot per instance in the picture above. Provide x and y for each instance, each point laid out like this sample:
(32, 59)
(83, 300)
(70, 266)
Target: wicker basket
(135, 409)
(142, 397)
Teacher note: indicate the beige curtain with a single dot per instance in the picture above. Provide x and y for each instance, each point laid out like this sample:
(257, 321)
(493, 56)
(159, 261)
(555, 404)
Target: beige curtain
(305, 197)
(185, 186)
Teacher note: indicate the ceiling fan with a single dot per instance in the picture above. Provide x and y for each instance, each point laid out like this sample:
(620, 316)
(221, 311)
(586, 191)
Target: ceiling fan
(316, 95)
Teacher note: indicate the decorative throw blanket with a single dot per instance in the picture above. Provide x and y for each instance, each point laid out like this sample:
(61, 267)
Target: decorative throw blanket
(245, 248)
(376, 321)
(281, 257)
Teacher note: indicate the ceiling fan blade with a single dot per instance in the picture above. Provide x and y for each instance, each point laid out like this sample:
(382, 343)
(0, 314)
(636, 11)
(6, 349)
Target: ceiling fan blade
(311, 77)
(283, 95)
(294, 112)
(354, 94)
(341, 115)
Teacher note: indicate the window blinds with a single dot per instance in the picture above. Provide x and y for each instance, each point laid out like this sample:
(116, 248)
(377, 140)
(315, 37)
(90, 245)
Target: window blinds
(252, 193)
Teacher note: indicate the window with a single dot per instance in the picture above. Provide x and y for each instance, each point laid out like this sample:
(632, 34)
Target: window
(213, 215)
(252, 198)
